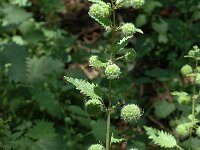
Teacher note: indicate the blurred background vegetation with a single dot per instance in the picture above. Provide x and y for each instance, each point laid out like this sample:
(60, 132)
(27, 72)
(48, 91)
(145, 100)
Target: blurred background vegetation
(43, 40)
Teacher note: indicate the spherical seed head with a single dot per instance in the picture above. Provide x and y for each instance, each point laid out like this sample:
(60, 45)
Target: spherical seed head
(198, 131)
(138, 3)
(112, 71)
(183, 130)
(94, 107)
(130, 113)
(96, 147)
(128, 29)
(186, 70)
(97, 10)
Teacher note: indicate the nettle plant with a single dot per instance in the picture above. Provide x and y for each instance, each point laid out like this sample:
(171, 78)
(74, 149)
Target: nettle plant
(189, 124)
(97, 101)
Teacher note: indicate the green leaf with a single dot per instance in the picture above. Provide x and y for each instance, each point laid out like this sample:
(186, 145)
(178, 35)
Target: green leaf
(38, 69)
(21, 2)
(122, 43)
(47, 101)
(16, 56)
(161, 138)
(163, 109)
(13, 15)
(55, 143)
(42, 130)
(89, 89)
(105, 22)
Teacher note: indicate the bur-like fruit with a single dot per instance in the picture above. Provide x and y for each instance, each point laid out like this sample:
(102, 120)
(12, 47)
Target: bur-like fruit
(112, 71)
(94, 107)
(130, 113)
(186, 70)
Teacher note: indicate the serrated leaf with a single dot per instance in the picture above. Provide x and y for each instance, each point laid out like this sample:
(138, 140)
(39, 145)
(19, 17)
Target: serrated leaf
(122, 43)
(38, 69)
(47, 101)
(161, 138)
(105, 22)
(42, 130)
(16, 56)
(89, 89)
(163, 109)
(14, 14)
(77, 110)
(55, 143)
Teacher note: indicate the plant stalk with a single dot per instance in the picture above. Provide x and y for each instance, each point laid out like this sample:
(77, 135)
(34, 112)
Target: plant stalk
(109, 110)
(193, 106)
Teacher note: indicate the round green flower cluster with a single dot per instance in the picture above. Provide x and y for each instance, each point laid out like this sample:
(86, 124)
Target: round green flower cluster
(98, 10)
(130, 113)
(130, 3)
(94, 107)
(112, 71)
(96, 147)
(128, 29)
(183, 98)
(183, 129)
(186, 70)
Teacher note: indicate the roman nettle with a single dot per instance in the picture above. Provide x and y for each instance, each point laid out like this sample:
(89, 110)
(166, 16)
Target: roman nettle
(105, 14)
(190, 126)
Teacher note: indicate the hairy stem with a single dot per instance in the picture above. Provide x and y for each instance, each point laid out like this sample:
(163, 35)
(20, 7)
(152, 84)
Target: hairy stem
(110, 90)
(193, 106)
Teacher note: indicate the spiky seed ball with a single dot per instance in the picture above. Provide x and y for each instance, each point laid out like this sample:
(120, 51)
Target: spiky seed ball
(94, 107)
(130, 113)
(198, 131)
(96, 147)
(130, 55)
(112, 71)
(183, 130)
(97, 10)
(186, 70)
(128, 29)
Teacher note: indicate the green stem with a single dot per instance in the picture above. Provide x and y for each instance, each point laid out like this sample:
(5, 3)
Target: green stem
(193, 106)
(108, 119)
(110, 90)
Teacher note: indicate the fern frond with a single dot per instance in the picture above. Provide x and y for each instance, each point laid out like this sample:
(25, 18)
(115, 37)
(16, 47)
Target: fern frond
(89, 89)
(161, 138)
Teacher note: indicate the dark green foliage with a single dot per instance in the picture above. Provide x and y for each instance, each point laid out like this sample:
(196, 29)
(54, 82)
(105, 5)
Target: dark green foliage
(43, 40)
